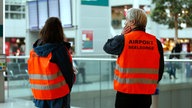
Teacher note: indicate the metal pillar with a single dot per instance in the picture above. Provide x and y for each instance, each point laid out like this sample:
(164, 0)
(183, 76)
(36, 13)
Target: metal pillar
(2, 90)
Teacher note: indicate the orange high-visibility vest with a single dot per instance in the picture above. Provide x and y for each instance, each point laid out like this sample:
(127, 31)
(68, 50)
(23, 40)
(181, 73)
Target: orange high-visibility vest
(46, 79)
(137, 66)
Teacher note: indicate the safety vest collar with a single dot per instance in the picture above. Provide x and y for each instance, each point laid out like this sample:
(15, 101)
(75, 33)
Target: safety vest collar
(137, 70)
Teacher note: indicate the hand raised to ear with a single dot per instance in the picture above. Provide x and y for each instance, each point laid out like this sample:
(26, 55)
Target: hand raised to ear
(126, 29)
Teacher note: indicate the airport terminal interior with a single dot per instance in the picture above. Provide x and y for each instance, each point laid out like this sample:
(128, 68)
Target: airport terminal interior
(88, 24)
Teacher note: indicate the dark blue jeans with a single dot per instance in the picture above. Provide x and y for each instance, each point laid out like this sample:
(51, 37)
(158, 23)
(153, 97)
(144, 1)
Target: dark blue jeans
(63, 102)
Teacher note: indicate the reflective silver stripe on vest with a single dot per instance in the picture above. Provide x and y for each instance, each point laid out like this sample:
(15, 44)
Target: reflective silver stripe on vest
(44, 77)
(134, 80)
(137, 70)
(46, 87)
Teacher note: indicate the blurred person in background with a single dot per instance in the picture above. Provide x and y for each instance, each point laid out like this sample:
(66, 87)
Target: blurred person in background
(188, 66)
(174, 65)
(175, 51)
(140, 62)
(50, 67)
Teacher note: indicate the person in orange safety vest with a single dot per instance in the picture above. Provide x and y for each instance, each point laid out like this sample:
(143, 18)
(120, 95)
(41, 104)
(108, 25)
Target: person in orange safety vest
(50, 68)
(140, 62)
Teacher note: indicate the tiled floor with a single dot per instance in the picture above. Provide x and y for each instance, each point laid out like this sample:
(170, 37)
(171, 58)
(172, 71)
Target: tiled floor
(17, 103)
(20, 96)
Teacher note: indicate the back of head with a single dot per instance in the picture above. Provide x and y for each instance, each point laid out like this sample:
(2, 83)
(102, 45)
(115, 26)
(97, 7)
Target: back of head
(137, 15)
(52, 32)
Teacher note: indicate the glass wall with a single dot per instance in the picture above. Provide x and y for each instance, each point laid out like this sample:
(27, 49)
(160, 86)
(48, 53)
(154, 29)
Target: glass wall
(94, 83)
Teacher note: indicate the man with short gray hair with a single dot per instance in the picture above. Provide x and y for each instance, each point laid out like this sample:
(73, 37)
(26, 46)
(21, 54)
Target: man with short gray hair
(140, 62)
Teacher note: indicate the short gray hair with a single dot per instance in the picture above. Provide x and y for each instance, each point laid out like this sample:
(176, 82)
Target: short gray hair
(138, 15)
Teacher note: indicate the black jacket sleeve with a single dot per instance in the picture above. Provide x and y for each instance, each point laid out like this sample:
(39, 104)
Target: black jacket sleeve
(62, 58)
(161, 61)
(114, 45)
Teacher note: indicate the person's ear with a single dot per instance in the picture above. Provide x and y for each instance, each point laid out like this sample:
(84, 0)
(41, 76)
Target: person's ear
(132, 22)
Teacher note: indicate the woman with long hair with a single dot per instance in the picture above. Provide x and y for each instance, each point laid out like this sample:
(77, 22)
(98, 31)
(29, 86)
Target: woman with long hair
(50, 67)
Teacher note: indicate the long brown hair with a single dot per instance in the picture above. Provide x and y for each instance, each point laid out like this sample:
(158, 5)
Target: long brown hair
(52, 31)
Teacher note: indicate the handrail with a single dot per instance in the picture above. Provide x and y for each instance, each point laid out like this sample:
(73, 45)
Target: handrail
(96, 59)
(113, 59)
(17, 57)
(101, 59)
(178, 60)
(182, 53)
(99, 55)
